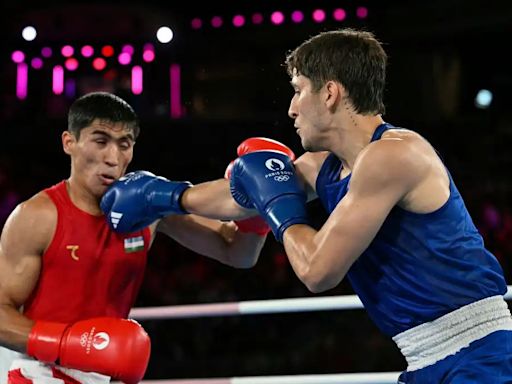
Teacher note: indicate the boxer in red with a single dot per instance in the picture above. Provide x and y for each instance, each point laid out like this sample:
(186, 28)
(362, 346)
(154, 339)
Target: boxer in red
(68, 281)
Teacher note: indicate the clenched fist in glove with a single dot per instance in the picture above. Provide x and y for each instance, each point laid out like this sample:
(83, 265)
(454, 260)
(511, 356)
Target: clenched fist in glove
(266, 180)
(140, 198)
(114, 347)
(257, 224)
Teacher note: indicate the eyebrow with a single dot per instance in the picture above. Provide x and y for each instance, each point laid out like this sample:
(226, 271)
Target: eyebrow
(128, 136)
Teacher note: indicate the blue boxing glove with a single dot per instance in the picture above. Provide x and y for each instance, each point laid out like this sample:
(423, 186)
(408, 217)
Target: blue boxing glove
(266, 180)
(140, 198)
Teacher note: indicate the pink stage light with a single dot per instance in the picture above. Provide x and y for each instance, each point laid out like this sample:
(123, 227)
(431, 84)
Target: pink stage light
(37, 63)
(148, 52)
(339, 14)
(238, 21)
(124, 58)
(148, 56)
(18, 57)
(137, 80)
(58, 80)
(277, 17)
(21, 81)
(319, 15)
(99, 63)
(87, 51)
(217, 22)
(71, 64)
(67, 51)
(297, 16)
(257, 18)
(196, 23)
(175, 96)
(362, 12)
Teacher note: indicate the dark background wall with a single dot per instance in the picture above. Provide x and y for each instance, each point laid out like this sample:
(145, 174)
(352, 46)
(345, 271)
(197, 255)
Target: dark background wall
(234, 86)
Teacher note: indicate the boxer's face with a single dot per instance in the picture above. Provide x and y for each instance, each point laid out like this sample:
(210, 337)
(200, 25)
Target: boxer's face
(101, 154)
(308, 108)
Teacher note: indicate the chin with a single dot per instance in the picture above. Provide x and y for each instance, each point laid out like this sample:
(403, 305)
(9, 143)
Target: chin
(100, 191)
(306, 145)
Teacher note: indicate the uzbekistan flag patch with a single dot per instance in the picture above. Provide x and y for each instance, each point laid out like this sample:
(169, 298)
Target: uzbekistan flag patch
(133, 244)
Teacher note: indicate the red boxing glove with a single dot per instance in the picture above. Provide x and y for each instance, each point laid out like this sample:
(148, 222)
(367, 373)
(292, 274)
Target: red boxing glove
(115, 347)
(255, 144)
(257, 224)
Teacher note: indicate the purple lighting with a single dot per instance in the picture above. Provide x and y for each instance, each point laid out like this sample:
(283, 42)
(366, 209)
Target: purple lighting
(37, 63)
(196, 23)
(137, 80)
(318, 15)
(257, 18)
(21, 81)
(70, 88)
(362, 12)
(18, 57)
(127, 48)
(339, 14)
(297, 16)
(277, 17)
(216, 21)
(46, 52)
(238, 21)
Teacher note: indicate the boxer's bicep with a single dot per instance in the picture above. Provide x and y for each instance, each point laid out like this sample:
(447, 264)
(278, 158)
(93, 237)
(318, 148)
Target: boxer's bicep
(25, 236)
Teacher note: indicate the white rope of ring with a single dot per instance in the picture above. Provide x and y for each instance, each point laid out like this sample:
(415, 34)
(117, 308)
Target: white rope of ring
(349, 378)
(253, 307)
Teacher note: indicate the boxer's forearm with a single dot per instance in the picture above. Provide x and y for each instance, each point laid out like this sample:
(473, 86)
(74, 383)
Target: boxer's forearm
(213, 199)
(14, 328)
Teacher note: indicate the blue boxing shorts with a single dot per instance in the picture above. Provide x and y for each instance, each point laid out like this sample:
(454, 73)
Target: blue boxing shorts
(487, 360)
(472, 344)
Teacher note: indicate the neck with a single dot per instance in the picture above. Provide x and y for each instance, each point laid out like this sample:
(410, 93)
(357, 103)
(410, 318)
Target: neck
(82, 198)
(353, 136)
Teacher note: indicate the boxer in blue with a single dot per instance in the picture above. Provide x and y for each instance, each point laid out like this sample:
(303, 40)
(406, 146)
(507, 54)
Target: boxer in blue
(398, 227)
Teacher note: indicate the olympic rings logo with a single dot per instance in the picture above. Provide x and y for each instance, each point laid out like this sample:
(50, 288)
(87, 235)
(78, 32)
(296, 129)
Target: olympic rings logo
(281, 178)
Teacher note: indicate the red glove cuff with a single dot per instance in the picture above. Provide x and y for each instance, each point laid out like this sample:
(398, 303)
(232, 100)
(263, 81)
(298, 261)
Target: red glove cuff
(254, 224)
(44, 340)
(255, 144)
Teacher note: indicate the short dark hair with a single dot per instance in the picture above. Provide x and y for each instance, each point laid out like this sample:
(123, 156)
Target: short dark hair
(103, 106)
(354, 58)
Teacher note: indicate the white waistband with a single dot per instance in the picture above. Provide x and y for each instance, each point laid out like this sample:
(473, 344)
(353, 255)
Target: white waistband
(431, 342)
